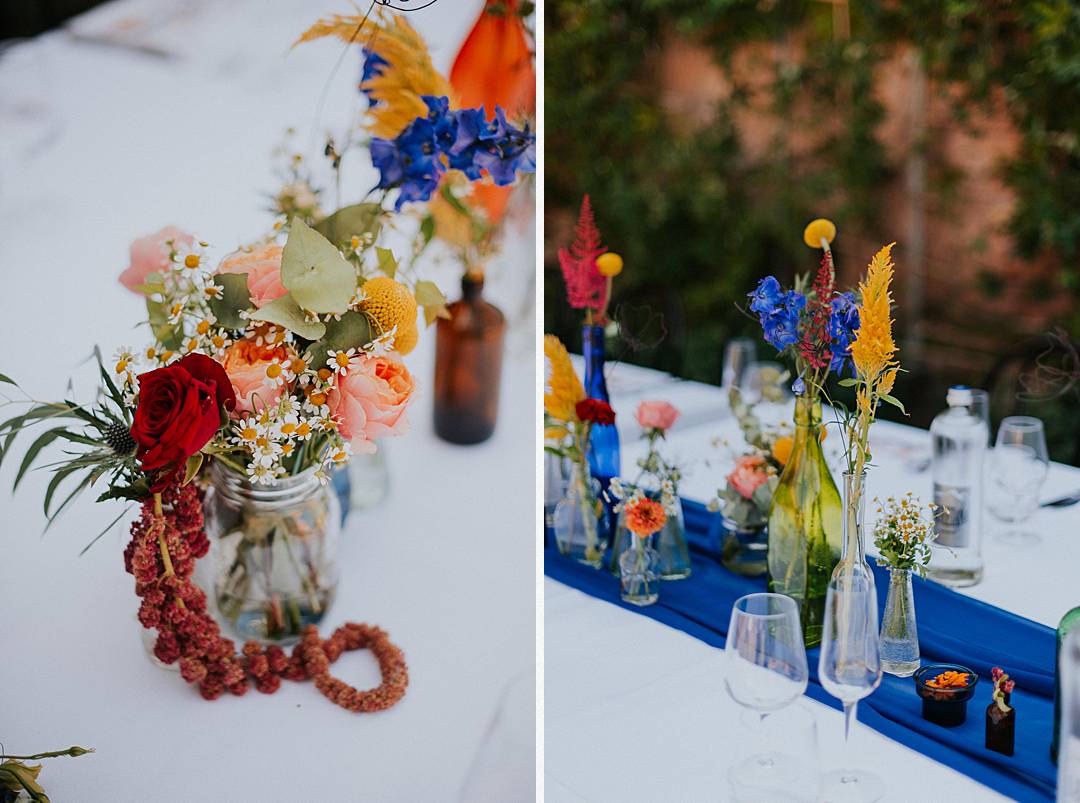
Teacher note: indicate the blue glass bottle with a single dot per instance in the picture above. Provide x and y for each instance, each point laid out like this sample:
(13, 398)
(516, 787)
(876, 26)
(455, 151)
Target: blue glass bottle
(603, 438)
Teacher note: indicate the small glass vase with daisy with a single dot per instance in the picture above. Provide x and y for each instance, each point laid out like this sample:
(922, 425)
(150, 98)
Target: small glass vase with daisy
(903, 532)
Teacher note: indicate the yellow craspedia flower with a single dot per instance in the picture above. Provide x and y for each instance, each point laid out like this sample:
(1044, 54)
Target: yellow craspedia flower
(562, 390)
(818, 230)
(609, 264)
(874, 349)
(391, 304)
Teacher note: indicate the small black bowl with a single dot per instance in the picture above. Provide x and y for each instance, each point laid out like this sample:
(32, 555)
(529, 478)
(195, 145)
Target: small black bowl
(945, 707)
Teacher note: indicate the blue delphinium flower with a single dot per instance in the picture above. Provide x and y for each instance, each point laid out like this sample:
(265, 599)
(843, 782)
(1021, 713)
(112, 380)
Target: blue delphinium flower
(373, 66)
(462, 140)
(781, 324)
(798, 387)
(843, 323)
(766, 295)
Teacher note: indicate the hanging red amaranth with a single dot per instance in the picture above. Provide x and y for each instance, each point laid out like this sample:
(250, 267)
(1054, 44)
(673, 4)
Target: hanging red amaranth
(814, 346)
(166, 541)
(585, 287)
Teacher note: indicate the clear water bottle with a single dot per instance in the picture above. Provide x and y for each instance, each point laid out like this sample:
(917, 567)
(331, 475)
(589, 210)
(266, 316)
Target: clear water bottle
(960, 437)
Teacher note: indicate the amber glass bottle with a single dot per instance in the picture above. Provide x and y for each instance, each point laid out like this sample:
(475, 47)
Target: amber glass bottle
(468, 366)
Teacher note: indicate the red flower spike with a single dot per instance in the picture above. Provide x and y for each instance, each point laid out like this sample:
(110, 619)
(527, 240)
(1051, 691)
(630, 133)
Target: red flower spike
(814, 346)
(585, 286)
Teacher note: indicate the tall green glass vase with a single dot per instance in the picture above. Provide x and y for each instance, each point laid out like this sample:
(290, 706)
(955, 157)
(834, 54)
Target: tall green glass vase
(805, 523)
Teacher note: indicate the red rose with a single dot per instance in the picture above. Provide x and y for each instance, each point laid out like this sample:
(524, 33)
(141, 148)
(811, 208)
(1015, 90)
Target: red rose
(179, 410)
(595, 410)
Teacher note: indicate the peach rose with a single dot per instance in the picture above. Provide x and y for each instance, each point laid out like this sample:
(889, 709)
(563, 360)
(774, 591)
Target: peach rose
(151, 253)
(263, 268)
(750, 472)
(370, 401)
(245, 363)
(656, 415)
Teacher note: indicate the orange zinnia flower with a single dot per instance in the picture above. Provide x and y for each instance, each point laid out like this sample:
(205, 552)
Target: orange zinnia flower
(645, 517)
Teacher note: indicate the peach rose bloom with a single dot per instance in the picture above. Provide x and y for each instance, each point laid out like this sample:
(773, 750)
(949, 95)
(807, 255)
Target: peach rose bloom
(151, 253)
(370, 401)
(263, 268)
(656, 415)
(245, 362)
(749, 473)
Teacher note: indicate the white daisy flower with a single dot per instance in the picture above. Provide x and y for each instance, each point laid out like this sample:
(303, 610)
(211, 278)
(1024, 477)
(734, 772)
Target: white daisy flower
(338, 361)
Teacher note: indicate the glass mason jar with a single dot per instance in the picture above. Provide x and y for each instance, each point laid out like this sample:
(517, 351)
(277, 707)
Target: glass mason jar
(744, 548)
(639, 572)
(582, 527)
(274, 551)
(468, 366)
(899, 637)
(805, 523)
(670, 544)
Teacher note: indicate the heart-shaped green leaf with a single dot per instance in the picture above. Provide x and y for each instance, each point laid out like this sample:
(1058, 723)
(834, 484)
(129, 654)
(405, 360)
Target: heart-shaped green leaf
(387, 261)
(284, 311)
(357, 219)
(351, 332)
(314, 272)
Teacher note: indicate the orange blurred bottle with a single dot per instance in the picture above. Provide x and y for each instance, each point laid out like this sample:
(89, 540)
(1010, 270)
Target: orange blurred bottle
(468, 366)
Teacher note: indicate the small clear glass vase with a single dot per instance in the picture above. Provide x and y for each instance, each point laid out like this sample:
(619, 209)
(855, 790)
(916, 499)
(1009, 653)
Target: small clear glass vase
(899, 636)
(744, 549)
(274, 552)
(639, 572)
(582, 526)
(670, 545)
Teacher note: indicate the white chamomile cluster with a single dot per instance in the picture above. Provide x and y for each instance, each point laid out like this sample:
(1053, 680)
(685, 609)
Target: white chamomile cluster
(627, 495)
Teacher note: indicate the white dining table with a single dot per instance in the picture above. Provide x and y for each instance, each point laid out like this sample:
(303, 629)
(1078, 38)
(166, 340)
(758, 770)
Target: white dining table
(108, 143)
(635, 710)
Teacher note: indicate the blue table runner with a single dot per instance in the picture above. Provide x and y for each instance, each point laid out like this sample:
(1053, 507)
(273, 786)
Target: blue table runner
(952, 628)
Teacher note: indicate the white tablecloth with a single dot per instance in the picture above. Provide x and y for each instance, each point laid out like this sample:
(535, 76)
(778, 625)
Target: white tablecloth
(637, 711)
(446, 564)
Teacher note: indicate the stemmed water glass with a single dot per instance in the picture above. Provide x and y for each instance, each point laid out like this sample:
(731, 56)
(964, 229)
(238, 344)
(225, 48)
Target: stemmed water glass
(850, 669)
(766, 671)
(1018, 467)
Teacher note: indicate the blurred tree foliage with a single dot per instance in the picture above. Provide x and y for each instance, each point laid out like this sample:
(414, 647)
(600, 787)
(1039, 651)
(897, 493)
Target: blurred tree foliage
(698, 222)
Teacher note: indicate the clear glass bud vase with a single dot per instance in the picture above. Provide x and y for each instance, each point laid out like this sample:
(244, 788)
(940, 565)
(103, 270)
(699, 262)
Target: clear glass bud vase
(274, 552)
(639, 572)
(805, 523)
(582, 526)
(670, 544)
(899, 637)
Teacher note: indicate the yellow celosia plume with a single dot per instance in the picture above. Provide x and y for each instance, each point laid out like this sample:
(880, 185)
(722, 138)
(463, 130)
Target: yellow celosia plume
(873, 349)
(408, 76)
(563, 390)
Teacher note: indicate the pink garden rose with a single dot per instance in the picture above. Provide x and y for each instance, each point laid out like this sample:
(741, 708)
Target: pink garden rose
(656, 415)
(263, 268)
(750, 472)
(369, 402)
(151, 253)
(245, 363)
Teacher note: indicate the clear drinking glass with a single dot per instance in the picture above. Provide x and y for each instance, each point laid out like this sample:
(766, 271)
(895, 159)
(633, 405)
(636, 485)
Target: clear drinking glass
(1018, 467)
(761, 383)
(738, 354)
(766, 672)
(850, 669)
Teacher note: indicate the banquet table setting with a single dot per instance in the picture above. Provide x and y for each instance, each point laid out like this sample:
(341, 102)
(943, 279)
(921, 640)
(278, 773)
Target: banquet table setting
(141, 115)
(636, 706)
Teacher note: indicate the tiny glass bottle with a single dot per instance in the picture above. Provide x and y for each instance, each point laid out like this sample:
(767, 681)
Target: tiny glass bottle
(1000, 716)
(899, 635)
(468, 366)
(639, 571)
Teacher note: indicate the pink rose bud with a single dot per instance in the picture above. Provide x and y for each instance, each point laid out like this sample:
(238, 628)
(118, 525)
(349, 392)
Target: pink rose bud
(656, 415)
(150, 254)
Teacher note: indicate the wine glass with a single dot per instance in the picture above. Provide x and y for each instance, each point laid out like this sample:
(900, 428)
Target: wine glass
(850, 668)
(1018, 467)
(766, 672)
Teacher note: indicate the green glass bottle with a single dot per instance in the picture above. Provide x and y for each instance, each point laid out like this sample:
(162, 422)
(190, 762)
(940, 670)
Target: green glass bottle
(805, 523)
(1068, 622)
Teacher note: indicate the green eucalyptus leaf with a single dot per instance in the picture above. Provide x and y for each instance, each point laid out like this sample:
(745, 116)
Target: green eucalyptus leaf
(235, 299)
(352, 331)
(284, 311)
(314, 272)
(431, 298)
(427, 229)
(167, 334)
(850, 382)
(387, 261)
(191, 467)
(357, 219)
